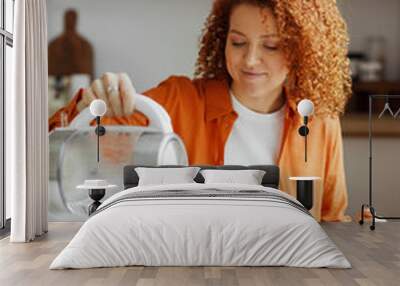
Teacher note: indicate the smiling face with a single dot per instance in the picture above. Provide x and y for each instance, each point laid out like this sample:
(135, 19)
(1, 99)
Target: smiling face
(254, 60)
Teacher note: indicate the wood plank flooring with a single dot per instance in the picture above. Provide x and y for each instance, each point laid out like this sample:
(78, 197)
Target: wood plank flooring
(375, 257)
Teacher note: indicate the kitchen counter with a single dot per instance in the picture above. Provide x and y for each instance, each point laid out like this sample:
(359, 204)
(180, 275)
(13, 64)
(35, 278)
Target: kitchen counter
(356, 125)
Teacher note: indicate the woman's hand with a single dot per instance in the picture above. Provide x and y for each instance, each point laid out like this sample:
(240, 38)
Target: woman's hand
(116, 90)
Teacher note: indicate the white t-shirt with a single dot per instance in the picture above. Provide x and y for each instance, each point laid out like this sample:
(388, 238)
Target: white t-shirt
(255, 137)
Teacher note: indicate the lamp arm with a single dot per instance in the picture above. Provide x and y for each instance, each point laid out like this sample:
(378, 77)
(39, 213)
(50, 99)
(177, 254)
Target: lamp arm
(98, 138)
(98, 147)
(303, 131)
(305, 148)
(100, 131)
(305, 138)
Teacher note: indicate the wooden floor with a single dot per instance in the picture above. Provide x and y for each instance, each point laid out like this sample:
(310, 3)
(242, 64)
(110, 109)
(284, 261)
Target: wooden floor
(375, 257)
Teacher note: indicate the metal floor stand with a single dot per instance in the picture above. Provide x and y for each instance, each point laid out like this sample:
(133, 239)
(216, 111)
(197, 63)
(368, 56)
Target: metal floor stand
(370, 203)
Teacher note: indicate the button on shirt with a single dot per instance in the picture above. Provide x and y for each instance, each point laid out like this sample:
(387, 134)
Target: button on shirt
(255, 137)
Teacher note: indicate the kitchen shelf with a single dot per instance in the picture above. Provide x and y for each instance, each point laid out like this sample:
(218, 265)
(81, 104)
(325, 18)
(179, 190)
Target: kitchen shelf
(379, 87)
(356, 125)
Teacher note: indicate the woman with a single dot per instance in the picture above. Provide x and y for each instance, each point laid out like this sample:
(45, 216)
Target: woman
(257, 60)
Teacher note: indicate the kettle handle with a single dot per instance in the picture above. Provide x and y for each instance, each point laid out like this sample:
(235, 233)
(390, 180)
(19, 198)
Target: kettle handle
(157, 115)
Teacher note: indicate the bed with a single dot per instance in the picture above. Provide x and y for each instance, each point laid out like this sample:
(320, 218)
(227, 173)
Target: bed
(201, 224)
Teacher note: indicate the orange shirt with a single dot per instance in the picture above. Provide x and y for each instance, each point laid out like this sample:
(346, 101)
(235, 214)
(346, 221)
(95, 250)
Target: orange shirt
(202, 115)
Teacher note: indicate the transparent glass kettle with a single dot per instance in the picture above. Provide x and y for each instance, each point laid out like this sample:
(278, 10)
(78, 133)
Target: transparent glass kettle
(73, 156)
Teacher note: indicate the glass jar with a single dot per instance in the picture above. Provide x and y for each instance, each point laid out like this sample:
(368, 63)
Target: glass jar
(376, 52)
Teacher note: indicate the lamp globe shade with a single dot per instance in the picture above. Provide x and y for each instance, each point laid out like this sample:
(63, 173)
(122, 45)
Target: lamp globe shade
(305, 107)
(98, 107)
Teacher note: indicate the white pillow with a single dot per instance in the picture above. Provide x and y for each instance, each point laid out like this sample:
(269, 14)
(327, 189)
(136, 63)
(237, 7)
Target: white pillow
(248, 177)
(165, 176)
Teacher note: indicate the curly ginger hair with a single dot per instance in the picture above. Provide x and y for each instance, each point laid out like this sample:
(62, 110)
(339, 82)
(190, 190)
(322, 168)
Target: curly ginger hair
(314, 39)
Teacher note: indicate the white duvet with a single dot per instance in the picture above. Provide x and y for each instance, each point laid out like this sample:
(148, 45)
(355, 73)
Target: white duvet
(200, 231)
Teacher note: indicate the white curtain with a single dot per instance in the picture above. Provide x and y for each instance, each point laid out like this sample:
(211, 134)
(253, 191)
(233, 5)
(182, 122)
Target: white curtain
(27, 135)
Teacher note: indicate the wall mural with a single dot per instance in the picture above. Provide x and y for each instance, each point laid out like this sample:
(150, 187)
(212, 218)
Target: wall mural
(238, 106)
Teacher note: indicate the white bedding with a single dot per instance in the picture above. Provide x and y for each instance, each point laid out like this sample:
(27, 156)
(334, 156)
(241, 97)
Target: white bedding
(201, 231)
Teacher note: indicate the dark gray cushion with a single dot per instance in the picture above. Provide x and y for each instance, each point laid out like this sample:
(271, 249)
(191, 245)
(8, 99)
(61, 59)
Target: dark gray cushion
(270, 179)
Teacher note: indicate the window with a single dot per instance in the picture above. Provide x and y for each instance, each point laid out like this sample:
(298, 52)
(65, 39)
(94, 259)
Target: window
(9, 13)
(6, 44)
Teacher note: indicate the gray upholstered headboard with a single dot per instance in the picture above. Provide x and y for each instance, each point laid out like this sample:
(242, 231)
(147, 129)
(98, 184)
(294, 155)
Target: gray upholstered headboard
(271, 177)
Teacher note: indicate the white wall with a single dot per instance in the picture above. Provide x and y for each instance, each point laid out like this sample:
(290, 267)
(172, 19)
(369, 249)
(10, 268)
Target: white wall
(386, 174)
(149, 40)
(375, 17)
